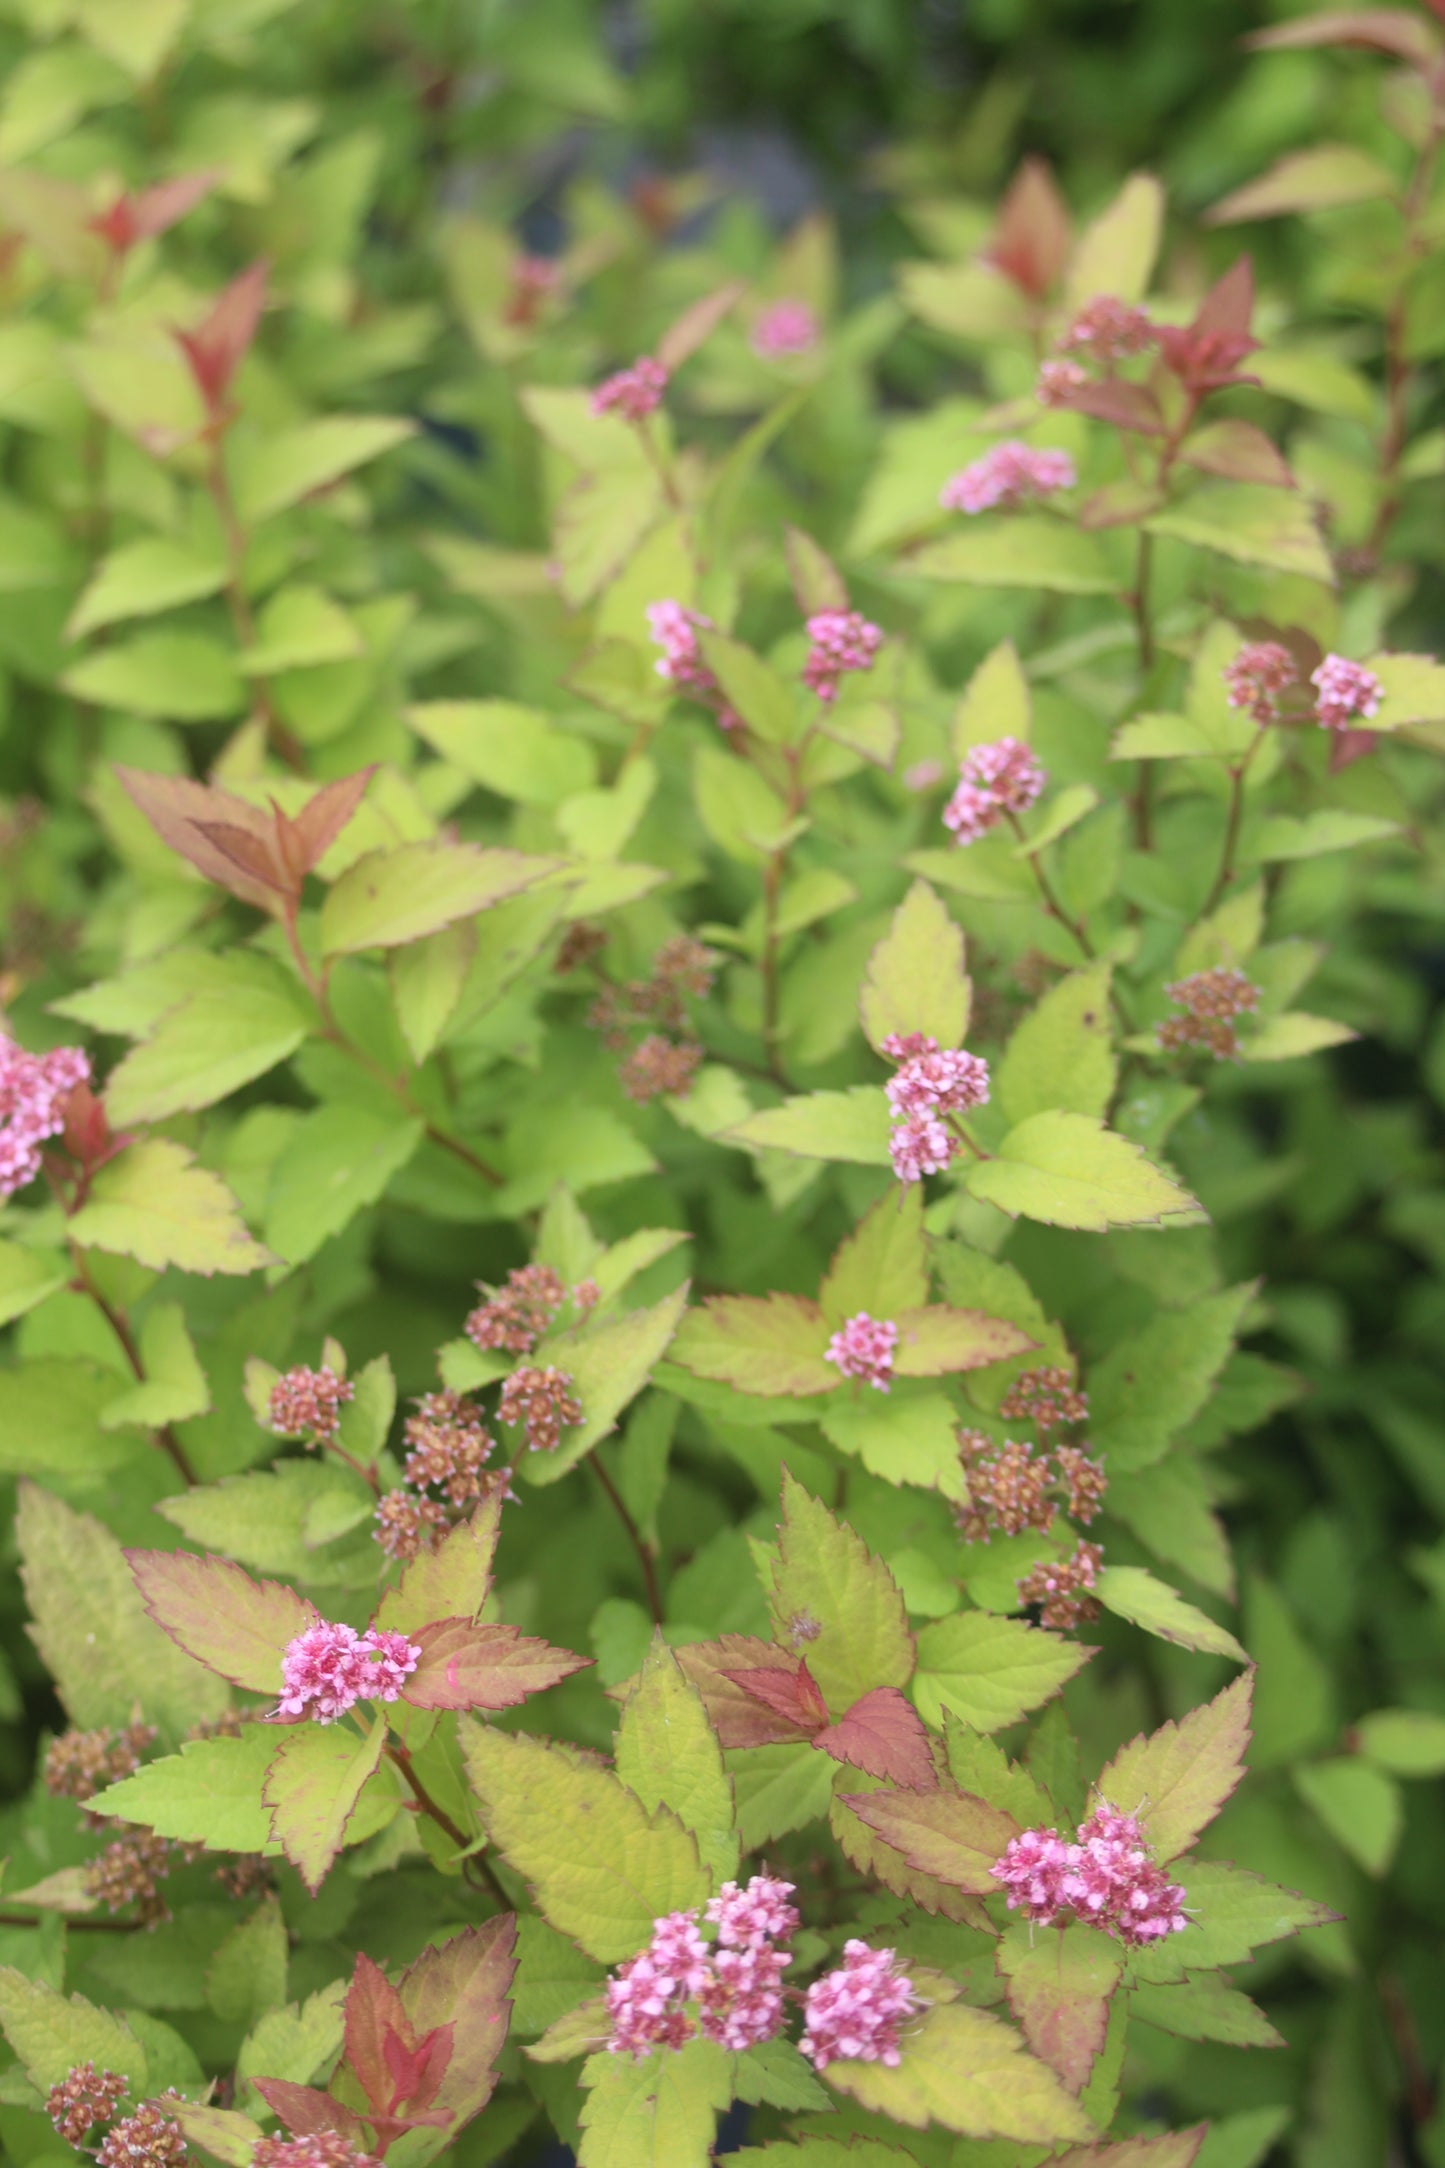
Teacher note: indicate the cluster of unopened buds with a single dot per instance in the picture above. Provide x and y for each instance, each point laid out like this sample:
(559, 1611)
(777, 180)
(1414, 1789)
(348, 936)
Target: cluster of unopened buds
(664, 1062)
(842, 641)
(1006, 476)
(863, 1348)
(448, 1447)
(1107, 1876)
(634, 393)
(734, 1984)
(308, 1403)
(78, 1764)
(147, 2138)
(1014, 1486)
(1263, 671)
(931, 1082)
(514, 1317)
(788, 327)
(1104, 331)
(33, 1092)
(330, 1667)
(542, 1403)
(1212, 1001)
(674, 628)
(995, 781)
(1061, 1588)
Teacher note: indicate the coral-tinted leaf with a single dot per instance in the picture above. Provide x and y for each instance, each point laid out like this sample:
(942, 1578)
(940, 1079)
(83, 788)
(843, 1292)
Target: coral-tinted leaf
(1059, 1984)
(175, 807)
(936, 1340)
(1177, 1779)
(696, 324)
(466, 1666)
(1114, 399)
(767, 1345)
(884, 1735)
(312, 1789)
(324, 815)
(1031, 241)
(950, 1835)
(968, 2071)
(305, 2109)
(254, 855)
(218, 1614)
(791, 1694)
(1381, 30)
(1239, 452)
(861, 1844)
(216, 348)
(373, 2013)
(465, 1984)
(743, 1715)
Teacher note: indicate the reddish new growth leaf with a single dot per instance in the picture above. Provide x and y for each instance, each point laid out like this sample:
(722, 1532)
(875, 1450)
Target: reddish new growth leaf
(233, 1625)
(398, 2067)
(1031, 242)
(729, 1674)
(1205, 354)
(464, 1666)
(884, 1735)
(261, 857)
(220, 343)
(791, 1695)
(143, 217)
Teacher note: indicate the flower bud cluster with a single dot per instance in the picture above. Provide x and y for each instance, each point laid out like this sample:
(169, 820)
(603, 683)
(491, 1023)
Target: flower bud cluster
(1061, 1587)
(1044, 1397)
(448, 1449)
(81, 1763)
(735, 1984)
(1107, 329)
(931, 1081)
(668, 1057)
(1107, 1876)
(308, 1403)
(863, 1349)
(330, 1667)
(513, 1318)
(842, 641)
(33, 1092)
(633, 393)
(1256, 677)
(675, 629)
(543, 1403)
(147, 2139)
(1211, 1000)
(993, 781)
(1008, 475)
(84, 2097)
(129, 1871)
(856, 2013)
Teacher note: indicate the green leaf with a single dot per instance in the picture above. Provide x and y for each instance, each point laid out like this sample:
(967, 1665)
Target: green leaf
(1131, 1593)
(1361, 1807)
(1059, 1985)
(916, 979)
(337, 1160)
(658, 2113)
(92, 1633)
(313, 1788)
(300, 628)
(766, 1345)
(1116, 252)
(1062, 813)
(602, 1867)
(1205, 2009)
(143, 578)
(287, 467)
(26, 1277)
(1296, 1033)
(1231, 1914)
(1333, 829)
(741, 812)
(1152, 1384)
(427, 979)
(1061, 1055)
(1318, 179)
(1179, 1777)
(1169, 1508)
(609, 1363)
(175, 1387)
(667, 1753)
(390, 897)
(449, 1582)
(515, 752)
(768, 705)
(990, 1671)
(936, 1340)
(774, 2074)
(996, 703)
(220, 2132)
(882, 1267)
(153, 1203)
(50, 1421)
(912, 1439)
(967, 2071)
(209, 1793)
(1406, 1742)
(1021, 550)
(51, 2033)
(1254, 524)
(181, 675)
(206, 1049)
(824, 1571)
(848, 1125)
(247, 1975)
(1069, 1171)
(298, 2043)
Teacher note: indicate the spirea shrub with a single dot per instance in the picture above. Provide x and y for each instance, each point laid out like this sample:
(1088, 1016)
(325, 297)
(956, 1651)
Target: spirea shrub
(655, 1058)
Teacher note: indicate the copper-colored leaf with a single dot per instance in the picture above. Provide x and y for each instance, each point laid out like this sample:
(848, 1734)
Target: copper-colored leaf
(466, 1666)
(218, 1614)
(950, 1835)
(305, 2109)
(697, 324)
(1032, 239)
(791, 1694)
(176, 807)
(739, 1716)
(323, 817)
(884, 1735)
(465, 1984)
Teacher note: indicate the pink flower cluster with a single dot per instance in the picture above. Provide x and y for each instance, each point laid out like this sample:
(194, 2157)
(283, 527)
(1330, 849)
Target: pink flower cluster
(856, 2013)
(931, 1081)
(1107, 329)
(994, 779)
(633, 393)
(675, 630)
(736, 1983)
(1346, 689)
(788, 327)
(307, 1404)
(1058, 381)
(33, 1091)
(1256, 677)
(863, 1348)
(317, 2149)
(1108, 1877)
(842, 641)
(329, 1668)
(1008, 475)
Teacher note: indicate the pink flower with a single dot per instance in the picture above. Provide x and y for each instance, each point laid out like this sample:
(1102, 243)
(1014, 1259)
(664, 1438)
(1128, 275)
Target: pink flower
(923, 775)
(1257, 676)
(1058, 381)
(330, 1667)
(906, 1045)
(1008, 475)
(542, 1400)
(33, 1091)
(842, 641)
(1107, 329)
(788, 327)
(946, 1081)
(633, 393)
(307, 1404)
(675, 630)
(1346, 689)
(856, 2013)
(1032, 1870)
(864, 1349)
(921, 1146)
(995, 779)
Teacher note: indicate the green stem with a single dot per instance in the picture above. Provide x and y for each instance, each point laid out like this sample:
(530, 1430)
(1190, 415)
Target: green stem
(1232, 824)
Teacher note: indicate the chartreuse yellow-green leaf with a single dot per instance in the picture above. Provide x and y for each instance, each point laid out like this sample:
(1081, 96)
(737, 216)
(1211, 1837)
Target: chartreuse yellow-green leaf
(667, 1752)
(1178, 1777)
(1062, 1054)
(1069, 1171)
(609, 1364)
(916, 979)
(390, 897)
(988, 1670)
(51, 2033)
(832, 1598)
(969, 2072)
(153, 1203)
(658, 2113)
(1132, 1593)
(603, 1867)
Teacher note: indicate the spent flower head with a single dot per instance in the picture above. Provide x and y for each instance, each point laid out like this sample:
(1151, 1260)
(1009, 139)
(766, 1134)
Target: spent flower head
(1211, 1001)
(543, 1402)
(308, 1403)
(147, 2139)
(84, 2097)
(1060, 1587)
